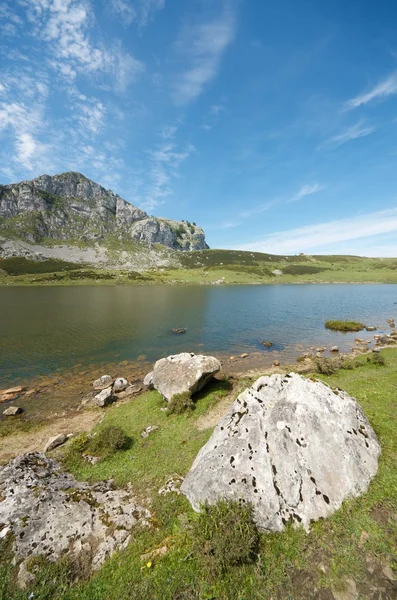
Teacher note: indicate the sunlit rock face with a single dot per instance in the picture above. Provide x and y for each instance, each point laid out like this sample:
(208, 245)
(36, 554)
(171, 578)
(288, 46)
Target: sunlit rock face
(71, 206)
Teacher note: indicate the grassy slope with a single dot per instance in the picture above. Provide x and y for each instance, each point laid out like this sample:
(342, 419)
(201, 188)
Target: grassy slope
(292, 565)
(209, 266)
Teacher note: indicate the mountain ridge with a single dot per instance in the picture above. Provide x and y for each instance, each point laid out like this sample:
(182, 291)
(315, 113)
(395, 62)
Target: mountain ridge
(71, 206)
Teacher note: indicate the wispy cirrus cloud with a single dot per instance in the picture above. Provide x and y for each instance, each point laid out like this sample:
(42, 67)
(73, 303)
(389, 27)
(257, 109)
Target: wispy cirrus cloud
(354, 132)
(383, 89)
(212, 117)
(200, 48)
(139, 11)
(160, 168)
(306, 190)
(321, 237)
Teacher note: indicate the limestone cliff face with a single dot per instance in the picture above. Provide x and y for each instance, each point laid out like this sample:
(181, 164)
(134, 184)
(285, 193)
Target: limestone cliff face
(71, 206)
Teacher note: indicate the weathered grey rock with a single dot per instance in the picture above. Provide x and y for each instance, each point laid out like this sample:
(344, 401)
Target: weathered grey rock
(120, 385)
(334, 349)
(293, 447)
(386, 340)
(70, 205)
(148, 381)
(103, 382)
(12, 411)
(55, 441)
(63, 514)
(185, 372)
(148, 430)
(104, 397)
(131, 390)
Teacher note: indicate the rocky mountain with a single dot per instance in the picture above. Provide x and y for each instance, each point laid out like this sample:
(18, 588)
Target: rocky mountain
(70, 206)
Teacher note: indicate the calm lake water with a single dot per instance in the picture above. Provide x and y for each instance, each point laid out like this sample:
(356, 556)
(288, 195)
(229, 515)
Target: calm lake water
(43, 329)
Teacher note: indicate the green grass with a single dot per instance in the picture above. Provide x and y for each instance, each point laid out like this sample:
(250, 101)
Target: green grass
(210, 266)
(289, 565)
(344, 325)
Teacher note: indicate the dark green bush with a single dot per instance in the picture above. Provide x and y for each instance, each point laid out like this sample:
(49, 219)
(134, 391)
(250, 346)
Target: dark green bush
(376, 359)
(225, 535)
(23, 266)
(107, 441)
(180, 403)
(330, 366)
(302, 270)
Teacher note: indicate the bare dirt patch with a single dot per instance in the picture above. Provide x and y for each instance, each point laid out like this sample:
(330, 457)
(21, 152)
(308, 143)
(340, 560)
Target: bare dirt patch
(34, 441)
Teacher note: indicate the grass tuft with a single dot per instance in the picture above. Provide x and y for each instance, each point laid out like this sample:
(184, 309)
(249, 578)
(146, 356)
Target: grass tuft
(344, 325)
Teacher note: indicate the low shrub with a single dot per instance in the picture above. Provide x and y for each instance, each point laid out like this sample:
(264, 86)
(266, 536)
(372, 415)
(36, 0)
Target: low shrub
(344, 325)
(79, 443)
(330, 366)
(225, 535)
(180, 403)
(108, 440)
(302, 270)
(376, 359)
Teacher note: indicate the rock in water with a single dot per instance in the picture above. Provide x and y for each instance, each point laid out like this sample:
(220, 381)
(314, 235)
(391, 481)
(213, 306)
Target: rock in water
(185, 372)
(45, 511)
(293, 447)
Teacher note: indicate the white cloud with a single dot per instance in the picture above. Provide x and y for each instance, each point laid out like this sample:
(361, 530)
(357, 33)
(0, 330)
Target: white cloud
(352, 133)
(331, 236)
(124, 10)
(201, 47)
(385, 88)
(211, 119)
(28, 151)
(64, 25)
(91, 117)
(141, 11)
(160, 169)
(306, 190)
(148, 8)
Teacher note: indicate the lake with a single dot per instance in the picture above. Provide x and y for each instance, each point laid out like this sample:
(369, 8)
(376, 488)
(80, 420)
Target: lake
(46, 329)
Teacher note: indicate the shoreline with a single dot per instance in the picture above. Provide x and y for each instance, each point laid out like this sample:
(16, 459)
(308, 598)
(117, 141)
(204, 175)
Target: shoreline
(104, 283)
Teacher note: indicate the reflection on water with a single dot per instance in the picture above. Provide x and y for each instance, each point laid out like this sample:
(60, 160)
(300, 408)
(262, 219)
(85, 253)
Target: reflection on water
(45, 329)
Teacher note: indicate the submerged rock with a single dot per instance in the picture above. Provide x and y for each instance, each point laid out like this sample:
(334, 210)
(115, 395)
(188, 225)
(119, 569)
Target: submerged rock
(293, 447)
(47, 512)
(185, 372)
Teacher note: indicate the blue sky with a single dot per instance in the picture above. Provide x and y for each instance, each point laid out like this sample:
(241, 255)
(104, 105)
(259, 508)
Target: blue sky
(271, 124)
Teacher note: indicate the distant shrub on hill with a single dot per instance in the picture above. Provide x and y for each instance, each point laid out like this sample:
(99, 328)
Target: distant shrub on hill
(302, 270)
(23, 266)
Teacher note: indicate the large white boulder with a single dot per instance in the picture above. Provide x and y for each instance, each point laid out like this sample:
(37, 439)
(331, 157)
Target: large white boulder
(185, 372)
(292, 447)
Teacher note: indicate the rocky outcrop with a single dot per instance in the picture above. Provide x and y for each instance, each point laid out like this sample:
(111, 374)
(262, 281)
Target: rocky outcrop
(185, 372)
(294, 448)
(45, 511)
(71, 206)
